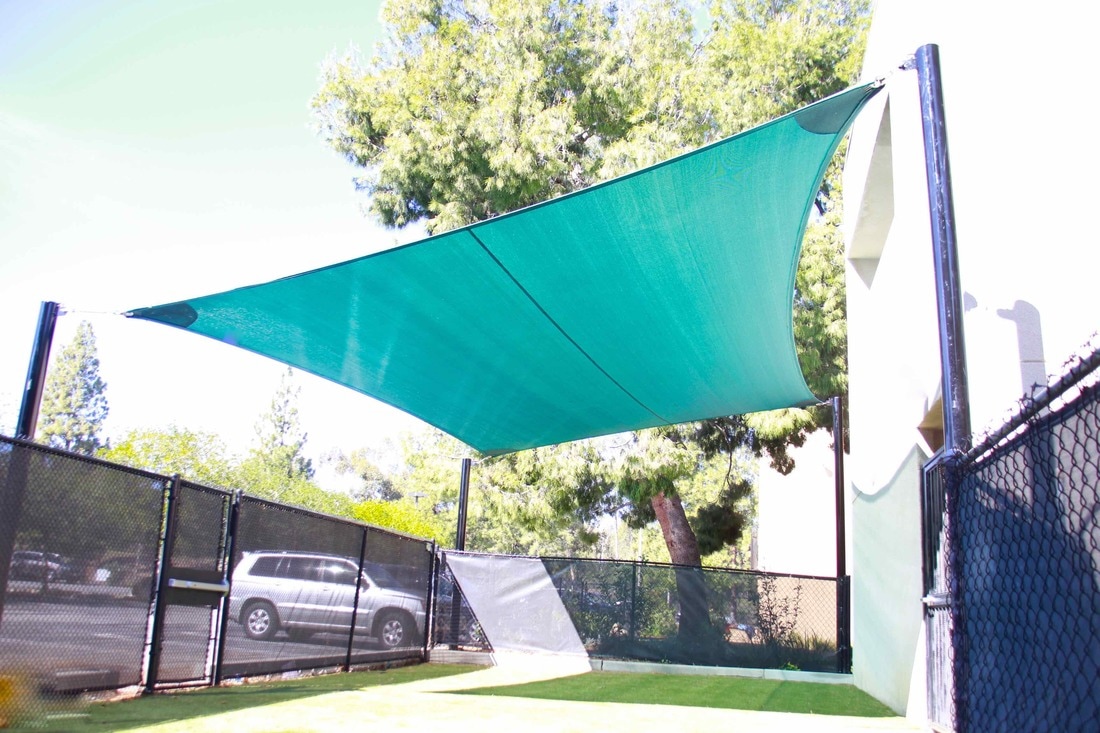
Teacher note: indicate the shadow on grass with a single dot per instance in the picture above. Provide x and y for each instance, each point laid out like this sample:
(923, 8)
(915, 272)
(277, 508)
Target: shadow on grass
(184, 705)
(736, 693)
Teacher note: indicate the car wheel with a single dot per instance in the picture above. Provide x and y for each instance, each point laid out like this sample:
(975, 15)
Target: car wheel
(260, 620)
(394, 629)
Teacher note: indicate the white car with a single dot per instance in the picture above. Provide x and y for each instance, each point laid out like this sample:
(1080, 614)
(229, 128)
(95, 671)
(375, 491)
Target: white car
(306, 593)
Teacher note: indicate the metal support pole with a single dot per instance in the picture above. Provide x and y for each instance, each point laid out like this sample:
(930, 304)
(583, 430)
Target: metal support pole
(156, 636)
(463, 499)
(358, 592)
(956, 398)
(843, 584)
(36, 370)
(844, 625)
(232, 526)
(838, 480)
(433, 586)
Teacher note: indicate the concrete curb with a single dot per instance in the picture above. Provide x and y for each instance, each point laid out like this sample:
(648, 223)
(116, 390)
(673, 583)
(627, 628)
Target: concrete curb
(487, 659)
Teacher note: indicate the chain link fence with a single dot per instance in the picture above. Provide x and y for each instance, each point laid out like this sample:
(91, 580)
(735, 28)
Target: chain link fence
(700, 616)
(639, 611)
(1021, 550)
(115, 578)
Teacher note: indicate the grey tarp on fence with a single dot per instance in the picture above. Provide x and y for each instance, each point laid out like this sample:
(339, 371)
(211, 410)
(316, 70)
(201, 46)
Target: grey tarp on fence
(633, 610)
(516, 603)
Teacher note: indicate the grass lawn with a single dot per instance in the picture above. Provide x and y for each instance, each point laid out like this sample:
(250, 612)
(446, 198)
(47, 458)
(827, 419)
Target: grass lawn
(438, 693)
(177, 706)
(734, 693)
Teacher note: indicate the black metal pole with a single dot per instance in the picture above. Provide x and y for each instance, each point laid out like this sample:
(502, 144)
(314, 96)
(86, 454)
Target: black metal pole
(844, 625)
(231, 529)
(430, 606)
(843, 594)
(463, 499)
(956, 397)
(838, 480)
(355, 607)
(36, 370)
(167, 541)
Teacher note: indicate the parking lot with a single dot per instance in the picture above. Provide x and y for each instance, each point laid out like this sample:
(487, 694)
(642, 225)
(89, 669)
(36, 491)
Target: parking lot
(74, 637)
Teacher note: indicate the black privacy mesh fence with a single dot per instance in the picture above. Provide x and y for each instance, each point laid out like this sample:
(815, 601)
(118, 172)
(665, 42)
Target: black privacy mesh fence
(641, 611)
(311, 591)
(120, 578)
(1024, 526)
(79, 541)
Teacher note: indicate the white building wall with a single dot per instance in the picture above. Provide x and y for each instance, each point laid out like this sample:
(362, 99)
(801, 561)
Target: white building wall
(1018, 83)
(796, 514)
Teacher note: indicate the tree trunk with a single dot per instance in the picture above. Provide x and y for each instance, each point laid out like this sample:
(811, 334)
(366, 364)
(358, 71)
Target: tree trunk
(683, 548)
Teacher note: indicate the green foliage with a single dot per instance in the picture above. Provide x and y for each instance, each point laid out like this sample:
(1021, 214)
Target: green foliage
(375, 484)
(472, 109)
(74, 402)
(280, 434)
(402, 516)
(778, 611)
(275, 470)
(197, 456)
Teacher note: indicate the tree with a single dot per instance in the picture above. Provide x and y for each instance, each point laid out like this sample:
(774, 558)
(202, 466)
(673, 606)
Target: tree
(471, 109)
(278, 468)
(74, 402)
(375, 484)
(402, 516)
(280, 433)
(194, 455)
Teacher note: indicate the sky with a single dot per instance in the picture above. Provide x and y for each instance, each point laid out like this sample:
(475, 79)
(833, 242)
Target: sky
(152, 151)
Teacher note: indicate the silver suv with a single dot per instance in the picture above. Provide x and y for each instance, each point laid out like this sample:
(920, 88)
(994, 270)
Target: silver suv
(305, 593)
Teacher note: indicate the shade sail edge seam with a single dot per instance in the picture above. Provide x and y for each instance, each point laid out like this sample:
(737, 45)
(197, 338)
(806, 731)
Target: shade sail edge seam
(870, 90)
(580, 349)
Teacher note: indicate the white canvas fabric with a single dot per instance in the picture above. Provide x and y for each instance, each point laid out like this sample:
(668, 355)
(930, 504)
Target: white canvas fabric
(516, 603)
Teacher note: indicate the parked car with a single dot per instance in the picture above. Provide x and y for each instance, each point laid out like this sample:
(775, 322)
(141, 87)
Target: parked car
(47, 566)
(124, 570)
(306, 593)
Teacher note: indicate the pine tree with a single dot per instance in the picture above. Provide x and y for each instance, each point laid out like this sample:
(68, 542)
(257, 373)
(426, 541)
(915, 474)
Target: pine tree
(74, 404)
(282, 439)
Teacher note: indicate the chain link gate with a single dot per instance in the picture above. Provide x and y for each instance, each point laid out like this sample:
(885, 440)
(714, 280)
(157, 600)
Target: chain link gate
(192, 588)
(940, 685)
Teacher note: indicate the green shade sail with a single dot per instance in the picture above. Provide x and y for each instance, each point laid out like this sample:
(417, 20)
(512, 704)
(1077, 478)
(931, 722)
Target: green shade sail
(657, 298)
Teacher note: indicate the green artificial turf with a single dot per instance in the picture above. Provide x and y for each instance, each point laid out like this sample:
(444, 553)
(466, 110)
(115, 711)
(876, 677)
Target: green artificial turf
(213, 709)
(161, 708)
(739, 693)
